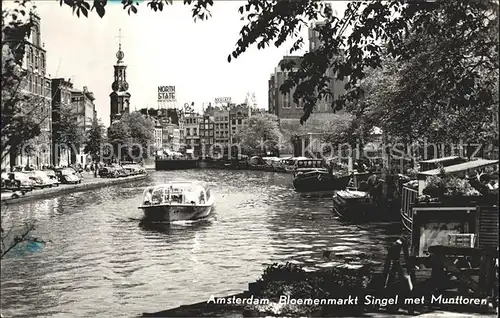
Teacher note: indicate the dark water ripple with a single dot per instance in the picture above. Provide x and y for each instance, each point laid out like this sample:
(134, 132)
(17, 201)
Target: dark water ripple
(102, 261)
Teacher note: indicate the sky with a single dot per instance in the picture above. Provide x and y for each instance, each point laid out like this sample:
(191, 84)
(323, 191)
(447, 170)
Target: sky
(161, 49)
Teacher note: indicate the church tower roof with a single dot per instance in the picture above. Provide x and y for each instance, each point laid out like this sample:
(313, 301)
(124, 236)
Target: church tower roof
(119, 97)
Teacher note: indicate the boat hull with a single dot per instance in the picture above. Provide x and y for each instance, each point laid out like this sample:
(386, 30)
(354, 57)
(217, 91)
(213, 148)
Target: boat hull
(314, 183)
(172, 213)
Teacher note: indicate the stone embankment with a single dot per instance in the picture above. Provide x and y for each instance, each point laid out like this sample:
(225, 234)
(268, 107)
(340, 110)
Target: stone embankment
(89, 182)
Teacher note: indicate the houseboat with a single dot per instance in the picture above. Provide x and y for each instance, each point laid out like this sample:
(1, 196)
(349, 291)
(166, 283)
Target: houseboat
(177, 201)
(435, 213)
(311, 176)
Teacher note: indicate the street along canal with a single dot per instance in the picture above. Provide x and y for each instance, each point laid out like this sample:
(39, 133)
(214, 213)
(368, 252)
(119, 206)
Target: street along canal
(102, 261)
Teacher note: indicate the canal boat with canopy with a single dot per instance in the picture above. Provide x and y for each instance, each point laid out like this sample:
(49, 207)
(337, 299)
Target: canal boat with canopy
(177, 201)
(436, 163)
(442, 209)
(320, 180)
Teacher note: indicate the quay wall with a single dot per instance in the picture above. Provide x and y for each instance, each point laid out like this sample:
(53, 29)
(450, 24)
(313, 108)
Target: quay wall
(64, 189)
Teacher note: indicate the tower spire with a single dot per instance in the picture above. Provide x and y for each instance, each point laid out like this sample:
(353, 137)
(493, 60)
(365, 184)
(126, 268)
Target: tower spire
(120, 55)
(119, 39)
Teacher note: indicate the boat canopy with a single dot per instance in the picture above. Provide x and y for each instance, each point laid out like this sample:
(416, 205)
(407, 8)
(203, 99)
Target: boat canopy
(438, 160)
(272, 158)
(432, 164)
(180, 192)
(460, 168)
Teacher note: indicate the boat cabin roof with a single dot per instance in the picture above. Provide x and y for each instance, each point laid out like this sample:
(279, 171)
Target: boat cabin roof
(272, 158)
(179, 186)
(461, 167)
(437, 160)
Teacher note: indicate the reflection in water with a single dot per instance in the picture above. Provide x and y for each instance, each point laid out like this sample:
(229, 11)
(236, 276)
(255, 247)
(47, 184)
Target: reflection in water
(105, 261)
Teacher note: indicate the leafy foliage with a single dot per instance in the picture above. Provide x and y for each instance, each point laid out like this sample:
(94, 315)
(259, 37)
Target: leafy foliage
(341, 129)
(261, 135)
(95, 140)
(67, 129)
(21, 112)
(131, 131)
(436, 186)
(291, 280)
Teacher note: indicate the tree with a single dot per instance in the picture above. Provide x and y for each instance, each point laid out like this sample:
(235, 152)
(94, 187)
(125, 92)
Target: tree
(21, 112)
(261, 135)
(374, 25)
(95, 140)
(131, 136)
(340, 130)
(68, 131)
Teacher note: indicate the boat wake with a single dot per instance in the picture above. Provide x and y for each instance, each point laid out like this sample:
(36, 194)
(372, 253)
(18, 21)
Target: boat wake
(192, 222)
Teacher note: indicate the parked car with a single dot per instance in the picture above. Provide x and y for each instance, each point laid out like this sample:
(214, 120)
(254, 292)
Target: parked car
(75, 171)
(18, 181)
(5, 179)
(108, 172)
(42, 181)
(121, 171)
(52, 175)
(68, 176)
(134, 169)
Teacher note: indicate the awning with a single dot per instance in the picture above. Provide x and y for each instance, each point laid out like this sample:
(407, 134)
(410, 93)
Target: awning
(189, 151)
(474, 164)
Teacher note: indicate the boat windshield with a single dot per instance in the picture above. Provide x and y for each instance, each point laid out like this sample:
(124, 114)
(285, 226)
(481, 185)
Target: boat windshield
(182, 193)
(310, 164)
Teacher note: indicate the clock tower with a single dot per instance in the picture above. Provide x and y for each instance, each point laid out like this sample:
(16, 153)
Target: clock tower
(120, 97)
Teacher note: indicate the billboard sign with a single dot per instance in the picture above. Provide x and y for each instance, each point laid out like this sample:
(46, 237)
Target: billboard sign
(220, 100)
(166, 93)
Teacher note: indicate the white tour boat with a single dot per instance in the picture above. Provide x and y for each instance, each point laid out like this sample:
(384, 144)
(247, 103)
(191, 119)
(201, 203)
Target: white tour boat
(177, 201)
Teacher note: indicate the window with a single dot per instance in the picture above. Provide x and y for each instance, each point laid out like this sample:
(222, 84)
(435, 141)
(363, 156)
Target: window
(239, 121)
(30, 83)
(42, 60)
(234, 122)
(286, 100)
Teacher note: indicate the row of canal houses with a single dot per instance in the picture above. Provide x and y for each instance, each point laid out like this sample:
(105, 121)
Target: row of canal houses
(188, 132)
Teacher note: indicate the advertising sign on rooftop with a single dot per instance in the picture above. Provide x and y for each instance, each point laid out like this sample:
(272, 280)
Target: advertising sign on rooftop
(166, 93)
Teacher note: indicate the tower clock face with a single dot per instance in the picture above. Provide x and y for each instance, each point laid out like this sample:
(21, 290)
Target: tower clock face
(120, 55)
(114, 86)
(125, 86)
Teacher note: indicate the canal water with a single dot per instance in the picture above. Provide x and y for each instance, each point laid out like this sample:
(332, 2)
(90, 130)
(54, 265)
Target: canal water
(102, 261)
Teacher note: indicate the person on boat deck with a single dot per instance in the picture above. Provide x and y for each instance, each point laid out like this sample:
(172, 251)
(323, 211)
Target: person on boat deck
(148, 196)
(475, 182)
(202, 197)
